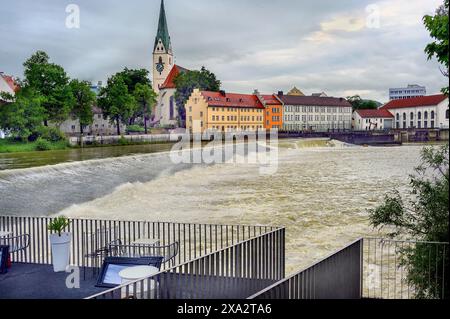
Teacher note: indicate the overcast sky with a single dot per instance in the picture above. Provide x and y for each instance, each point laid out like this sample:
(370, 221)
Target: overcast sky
(319, 45)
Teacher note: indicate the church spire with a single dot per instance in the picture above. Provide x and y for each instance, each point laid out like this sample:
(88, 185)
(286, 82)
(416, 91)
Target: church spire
(163, 30)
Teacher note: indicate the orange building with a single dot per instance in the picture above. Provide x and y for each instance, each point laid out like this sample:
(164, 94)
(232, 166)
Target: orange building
(273, 115)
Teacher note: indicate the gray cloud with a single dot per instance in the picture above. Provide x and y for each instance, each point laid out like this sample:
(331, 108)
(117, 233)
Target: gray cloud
(270, 45)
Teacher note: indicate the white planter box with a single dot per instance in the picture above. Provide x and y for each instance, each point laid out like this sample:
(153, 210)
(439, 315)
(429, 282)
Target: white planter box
(60, 251)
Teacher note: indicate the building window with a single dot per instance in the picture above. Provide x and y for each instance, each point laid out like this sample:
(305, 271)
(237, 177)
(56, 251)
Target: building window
(447, 114)
(432, 115)
(171, 108)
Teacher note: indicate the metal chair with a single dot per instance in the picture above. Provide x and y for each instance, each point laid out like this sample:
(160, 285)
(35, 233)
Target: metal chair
(95, 247)
(168, 252)
(16, 243)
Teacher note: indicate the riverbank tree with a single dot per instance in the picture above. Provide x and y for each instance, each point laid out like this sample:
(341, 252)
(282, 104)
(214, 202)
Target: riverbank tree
(128, 96)
(186, 82)
(51, 82)
(24, 113)
(438, 26)
(423, 215)
(359, 104)
(84, 102)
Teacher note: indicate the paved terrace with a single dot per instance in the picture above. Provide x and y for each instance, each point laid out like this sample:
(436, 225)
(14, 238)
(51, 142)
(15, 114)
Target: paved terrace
(32, 281)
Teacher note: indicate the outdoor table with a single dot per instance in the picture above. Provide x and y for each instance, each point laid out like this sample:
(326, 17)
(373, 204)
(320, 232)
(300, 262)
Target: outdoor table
(135, 273)
(147, 242)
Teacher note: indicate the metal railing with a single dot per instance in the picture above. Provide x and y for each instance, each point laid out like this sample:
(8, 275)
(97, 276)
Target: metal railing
(195, 240)
(338, 276)
(371, 268)
(234, 272)
(400, 269)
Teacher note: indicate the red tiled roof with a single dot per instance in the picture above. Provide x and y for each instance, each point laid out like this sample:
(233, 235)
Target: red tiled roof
(415, 102)
(271, 100)
(232, 100)
(11, 83)
(381, 113)
(314, 101)
(168, 83)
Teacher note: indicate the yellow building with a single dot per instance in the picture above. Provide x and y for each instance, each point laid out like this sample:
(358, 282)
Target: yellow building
(225, 112)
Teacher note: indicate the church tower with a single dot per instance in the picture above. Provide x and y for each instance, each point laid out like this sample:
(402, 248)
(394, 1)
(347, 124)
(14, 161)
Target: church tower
(162, 52)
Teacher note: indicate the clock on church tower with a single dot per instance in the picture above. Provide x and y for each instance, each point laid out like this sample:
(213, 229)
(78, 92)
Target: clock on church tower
(160, 65)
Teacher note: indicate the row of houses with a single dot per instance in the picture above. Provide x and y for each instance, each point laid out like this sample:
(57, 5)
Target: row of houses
(424, 112)
(229, 112)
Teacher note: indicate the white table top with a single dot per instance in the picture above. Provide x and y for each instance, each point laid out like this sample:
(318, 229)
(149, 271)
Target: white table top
(138, 272)
(5, 233)
(146, 241)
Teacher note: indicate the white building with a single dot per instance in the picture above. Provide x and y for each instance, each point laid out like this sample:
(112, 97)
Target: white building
(315, 113)
(372, 120)
(7, 85)
(427, 112)
(99, 127)
(166, 112)
(412, 90)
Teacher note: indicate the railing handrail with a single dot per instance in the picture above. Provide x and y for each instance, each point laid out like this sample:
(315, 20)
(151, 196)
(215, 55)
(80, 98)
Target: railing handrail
(406, 241)
(303, 270)
(145, 221)
(184, 264)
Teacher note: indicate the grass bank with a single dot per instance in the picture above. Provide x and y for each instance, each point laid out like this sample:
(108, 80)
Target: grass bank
(12, 146)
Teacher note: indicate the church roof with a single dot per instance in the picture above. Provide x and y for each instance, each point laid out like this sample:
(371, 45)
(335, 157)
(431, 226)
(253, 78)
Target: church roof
(168, 83)
(163, 29)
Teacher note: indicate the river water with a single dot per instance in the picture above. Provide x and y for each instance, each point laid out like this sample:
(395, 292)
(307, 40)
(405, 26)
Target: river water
(320, 193)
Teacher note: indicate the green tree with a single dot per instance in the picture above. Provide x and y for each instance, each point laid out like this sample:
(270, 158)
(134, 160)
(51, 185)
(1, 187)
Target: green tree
(423, 216)
(186, 82)
(438, 27)
(116, 102)
(132, 78)
(359, 104)
(146, 99)
(23, 114)
(51, 82)
(84, 101)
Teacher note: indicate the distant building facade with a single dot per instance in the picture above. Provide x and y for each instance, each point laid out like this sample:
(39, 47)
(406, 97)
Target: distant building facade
(99, 127)
(295, 92)
(273, 116)
(372, 120)
(223, 112)
(315, 113)
(7, 85)
(412, 90)
(426, 112)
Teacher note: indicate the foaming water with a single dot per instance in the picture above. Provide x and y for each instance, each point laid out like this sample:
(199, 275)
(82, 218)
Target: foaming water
(320, 193)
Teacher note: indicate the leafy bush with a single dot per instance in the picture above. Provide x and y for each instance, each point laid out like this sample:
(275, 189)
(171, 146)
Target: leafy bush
(123, 141)
(43, 145)
(52, 134)
(135, 129)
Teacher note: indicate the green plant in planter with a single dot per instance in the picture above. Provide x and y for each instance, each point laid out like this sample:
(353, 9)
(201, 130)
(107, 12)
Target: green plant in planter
(58, 225)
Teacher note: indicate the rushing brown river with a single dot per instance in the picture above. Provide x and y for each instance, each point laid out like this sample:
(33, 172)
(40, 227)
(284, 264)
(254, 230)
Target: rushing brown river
(320, 193)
